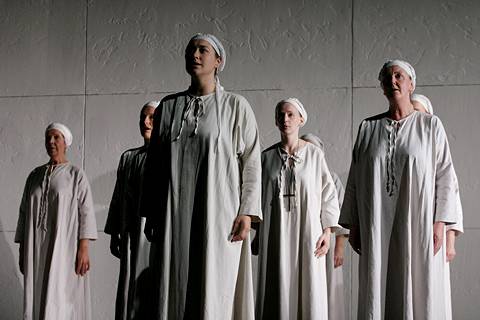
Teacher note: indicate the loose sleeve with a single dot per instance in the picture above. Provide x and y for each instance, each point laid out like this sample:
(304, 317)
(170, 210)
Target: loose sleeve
(86, 211)
(20, 232)
(341, 194)
(330, 209)
(349, 212)
(458, 226)
(115, 218)
(446, 186)
(248, 148)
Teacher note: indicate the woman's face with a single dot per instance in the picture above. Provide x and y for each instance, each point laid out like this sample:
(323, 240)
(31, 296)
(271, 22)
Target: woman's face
(396, 83)
(201, 58)
(419, 107)
(55, 143)
(288, 119)
(146, 122)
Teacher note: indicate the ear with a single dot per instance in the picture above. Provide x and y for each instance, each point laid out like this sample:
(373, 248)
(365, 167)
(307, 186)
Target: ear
(411, 86)
(302, 122)
(218, 62)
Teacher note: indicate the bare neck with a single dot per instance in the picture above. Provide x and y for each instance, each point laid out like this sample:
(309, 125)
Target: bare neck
(400, 109)
(201, 86)
(57, 160)
(290, 143)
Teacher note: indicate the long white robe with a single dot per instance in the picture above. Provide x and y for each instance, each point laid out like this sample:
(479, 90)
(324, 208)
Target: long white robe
(291, 280)
(55, 213)
(335, 287)
(134, 281)
(203, 170)
(401, 181)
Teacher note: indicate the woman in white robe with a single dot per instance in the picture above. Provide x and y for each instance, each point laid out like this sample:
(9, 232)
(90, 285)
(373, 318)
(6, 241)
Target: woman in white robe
(300, 208)
(399, 196)
(335, 257)
(201, 192)
(55, 224)
(125, 226)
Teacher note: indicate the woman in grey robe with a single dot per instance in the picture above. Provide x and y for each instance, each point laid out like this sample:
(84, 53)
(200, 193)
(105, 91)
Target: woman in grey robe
(55, 224)
(125, 227)
(201, 192)
(400, 194)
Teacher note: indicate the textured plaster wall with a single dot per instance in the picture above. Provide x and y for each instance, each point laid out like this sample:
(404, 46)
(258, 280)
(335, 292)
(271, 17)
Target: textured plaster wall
(91, 64)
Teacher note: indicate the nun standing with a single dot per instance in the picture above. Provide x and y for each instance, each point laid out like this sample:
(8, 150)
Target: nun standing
(125, 226)
(300, 208)
(201, 193)
(400, 194)
(55, 226)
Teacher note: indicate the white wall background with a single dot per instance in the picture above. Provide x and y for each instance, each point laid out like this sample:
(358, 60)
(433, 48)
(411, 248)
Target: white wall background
(91, 64)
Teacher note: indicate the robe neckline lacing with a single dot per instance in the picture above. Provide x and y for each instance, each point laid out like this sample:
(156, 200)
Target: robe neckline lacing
(42, 218)
(288, 161)
(199, 112)
(393, 127)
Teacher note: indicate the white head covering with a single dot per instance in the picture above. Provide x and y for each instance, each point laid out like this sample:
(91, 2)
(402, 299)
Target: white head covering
(216, 44)
(424, 101)
(67, 134)
(297, 104)
(310, 137)
(402, 64)
(154, 104)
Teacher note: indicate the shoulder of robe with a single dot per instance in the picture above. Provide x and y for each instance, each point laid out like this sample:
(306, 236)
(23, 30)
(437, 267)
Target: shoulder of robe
(76, 172)
(435, 121)
(374, 118)
(131, 152)
(370, 122)
(235, 100)
(74, 169)
(36, 171)
(270, 149)
(171, 98)
(169, 101)
(314, 150)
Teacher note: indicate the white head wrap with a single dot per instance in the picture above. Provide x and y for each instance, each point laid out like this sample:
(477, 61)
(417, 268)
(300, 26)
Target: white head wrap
(67, 134)
(297, 104)
(153, 104)
(424, 101)
(402, 64)
(310, 137)
(216, 44)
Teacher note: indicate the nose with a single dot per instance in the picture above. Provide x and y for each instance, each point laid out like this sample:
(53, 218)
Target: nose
(196, 53)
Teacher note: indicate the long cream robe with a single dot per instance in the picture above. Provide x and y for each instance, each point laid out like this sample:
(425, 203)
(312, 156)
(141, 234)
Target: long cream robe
(401, 181)
(55, 213)
(202, 171)
(291, 280)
